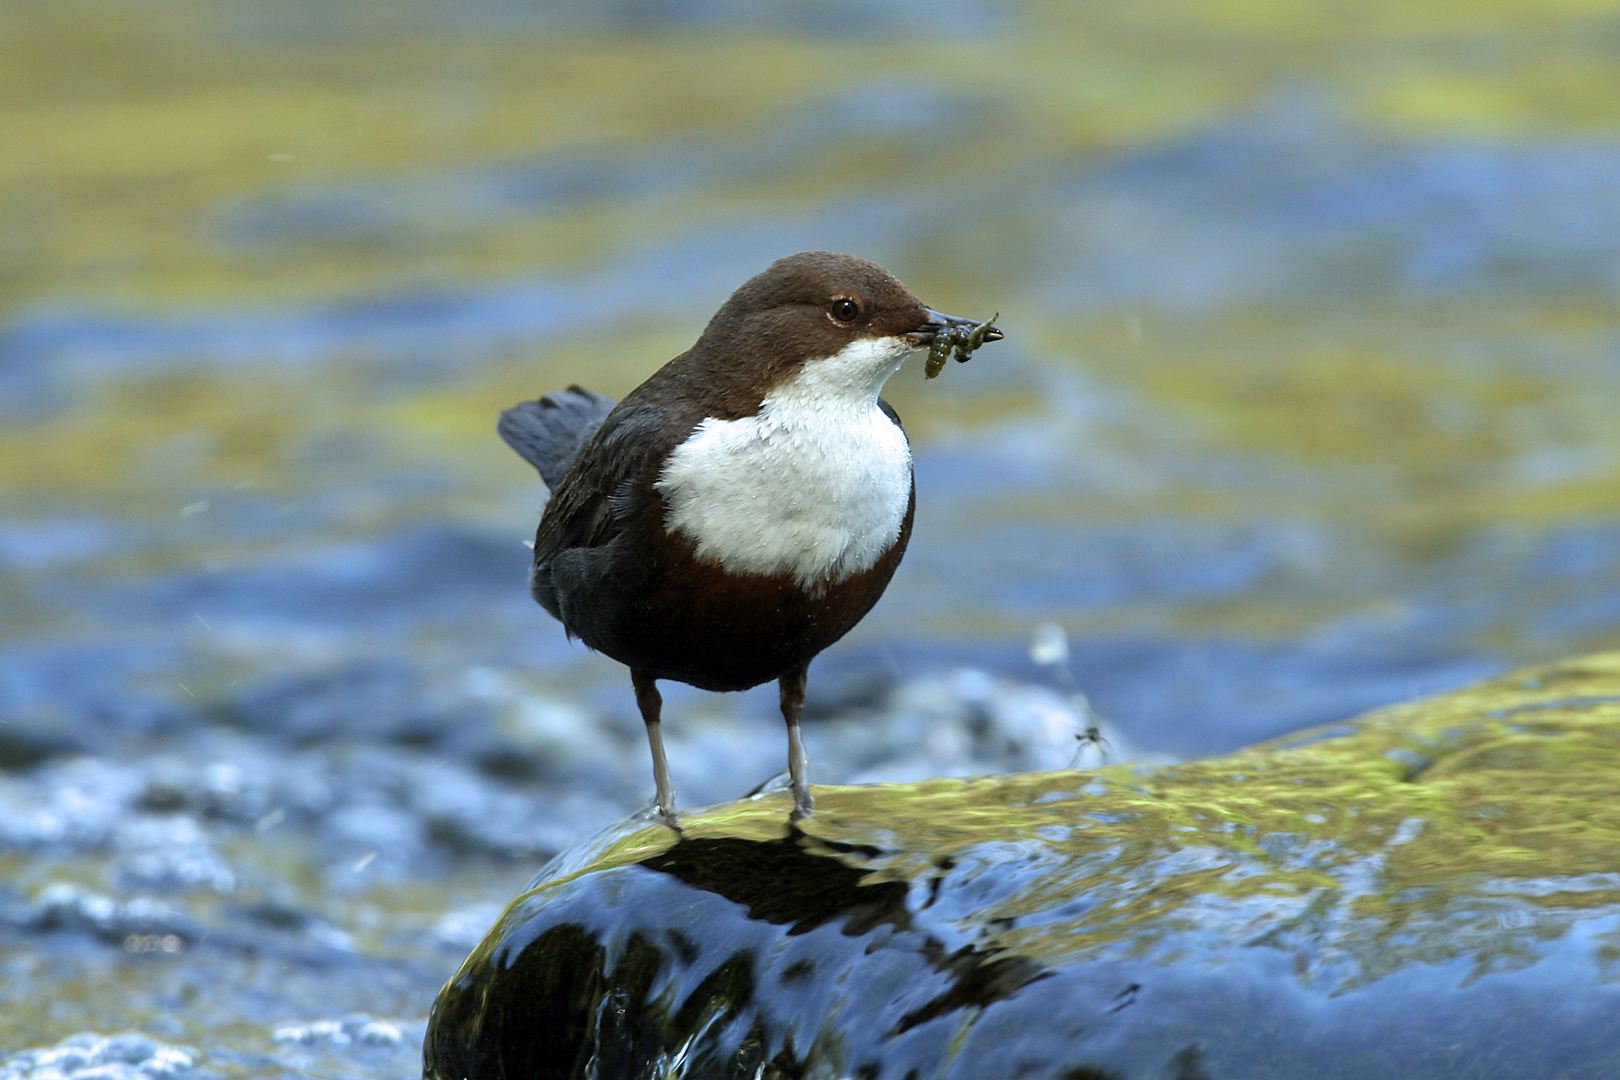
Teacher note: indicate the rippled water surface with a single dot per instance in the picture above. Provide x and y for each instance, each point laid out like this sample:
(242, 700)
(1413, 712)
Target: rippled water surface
(1307, 404)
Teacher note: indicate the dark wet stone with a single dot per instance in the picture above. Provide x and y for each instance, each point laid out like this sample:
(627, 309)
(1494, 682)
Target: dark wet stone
(1309, 908)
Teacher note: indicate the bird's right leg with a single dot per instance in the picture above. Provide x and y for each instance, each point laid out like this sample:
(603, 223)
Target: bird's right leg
(792, 686)
(651, 703)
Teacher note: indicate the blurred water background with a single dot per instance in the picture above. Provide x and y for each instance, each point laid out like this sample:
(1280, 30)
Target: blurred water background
(1307, 404)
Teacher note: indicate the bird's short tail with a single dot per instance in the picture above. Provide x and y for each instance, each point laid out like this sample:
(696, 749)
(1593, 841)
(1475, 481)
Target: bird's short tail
(550, 433)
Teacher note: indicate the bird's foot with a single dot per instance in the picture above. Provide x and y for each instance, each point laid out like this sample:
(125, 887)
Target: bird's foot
(654, 811)
(803, 804)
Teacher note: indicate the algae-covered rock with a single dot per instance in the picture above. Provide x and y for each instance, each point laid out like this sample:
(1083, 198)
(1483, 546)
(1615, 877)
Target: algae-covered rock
(1430, 891)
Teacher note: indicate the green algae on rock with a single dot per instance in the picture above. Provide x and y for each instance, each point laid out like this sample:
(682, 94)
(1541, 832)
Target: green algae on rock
(1429, 891)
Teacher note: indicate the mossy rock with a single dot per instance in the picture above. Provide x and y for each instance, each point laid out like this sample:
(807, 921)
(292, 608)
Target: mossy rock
(1432, 890)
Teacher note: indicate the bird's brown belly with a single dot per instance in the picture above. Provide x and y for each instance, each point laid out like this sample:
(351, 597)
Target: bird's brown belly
(697, 623)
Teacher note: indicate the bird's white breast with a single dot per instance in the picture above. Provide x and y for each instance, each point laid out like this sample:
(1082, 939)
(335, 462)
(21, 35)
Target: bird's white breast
(815, 484)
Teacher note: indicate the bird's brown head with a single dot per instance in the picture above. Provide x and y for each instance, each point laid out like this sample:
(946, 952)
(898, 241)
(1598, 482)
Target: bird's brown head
(833, 319)
(812, 305)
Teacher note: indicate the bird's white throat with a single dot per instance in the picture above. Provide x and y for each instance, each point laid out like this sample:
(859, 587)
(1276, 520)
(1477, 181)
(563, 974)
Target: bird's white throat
(815, 484)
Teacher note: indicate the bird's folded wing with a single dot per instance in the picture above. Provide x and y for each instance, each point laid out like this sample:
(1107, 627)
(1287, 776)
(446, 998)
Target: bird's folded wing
(609, 481)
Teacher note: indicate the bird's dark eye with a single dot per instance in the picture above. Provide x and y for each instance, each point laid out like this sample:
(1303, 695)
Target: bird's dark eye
(845, 310)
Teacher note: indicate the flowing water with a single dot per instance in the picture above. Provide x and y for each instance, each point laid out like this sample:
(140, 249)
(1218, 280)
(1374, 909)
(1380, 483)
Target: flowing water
(1306, 405)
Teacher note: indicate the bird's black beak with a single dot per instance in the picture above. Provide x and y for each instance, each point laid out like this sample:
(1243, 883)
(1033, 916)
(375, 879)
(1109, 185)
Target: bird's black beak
(924, 335)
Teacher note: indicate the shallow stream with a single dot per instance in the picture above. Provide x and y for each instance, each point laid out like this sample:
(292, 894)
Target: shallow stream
(1307, 405)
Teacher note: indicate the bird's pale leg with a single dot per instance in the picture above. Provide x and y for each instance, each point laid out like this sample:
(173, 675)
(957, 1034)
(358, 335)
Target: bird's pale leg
(651, 703)
(792, 685)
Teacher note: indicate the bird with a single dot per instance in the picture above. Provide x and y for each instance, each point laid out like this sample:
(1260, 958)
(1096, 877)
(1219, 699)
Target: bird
(745, 506)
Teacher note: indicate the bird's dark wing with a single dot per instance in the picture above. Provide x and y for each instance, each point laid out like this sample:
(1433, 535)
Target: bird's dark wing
(610, 479)
(888, 410)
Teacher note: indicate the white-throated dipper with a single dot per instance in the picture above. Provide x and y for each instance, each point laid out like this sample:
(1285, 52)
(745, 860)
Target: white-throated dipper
(744, 507)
